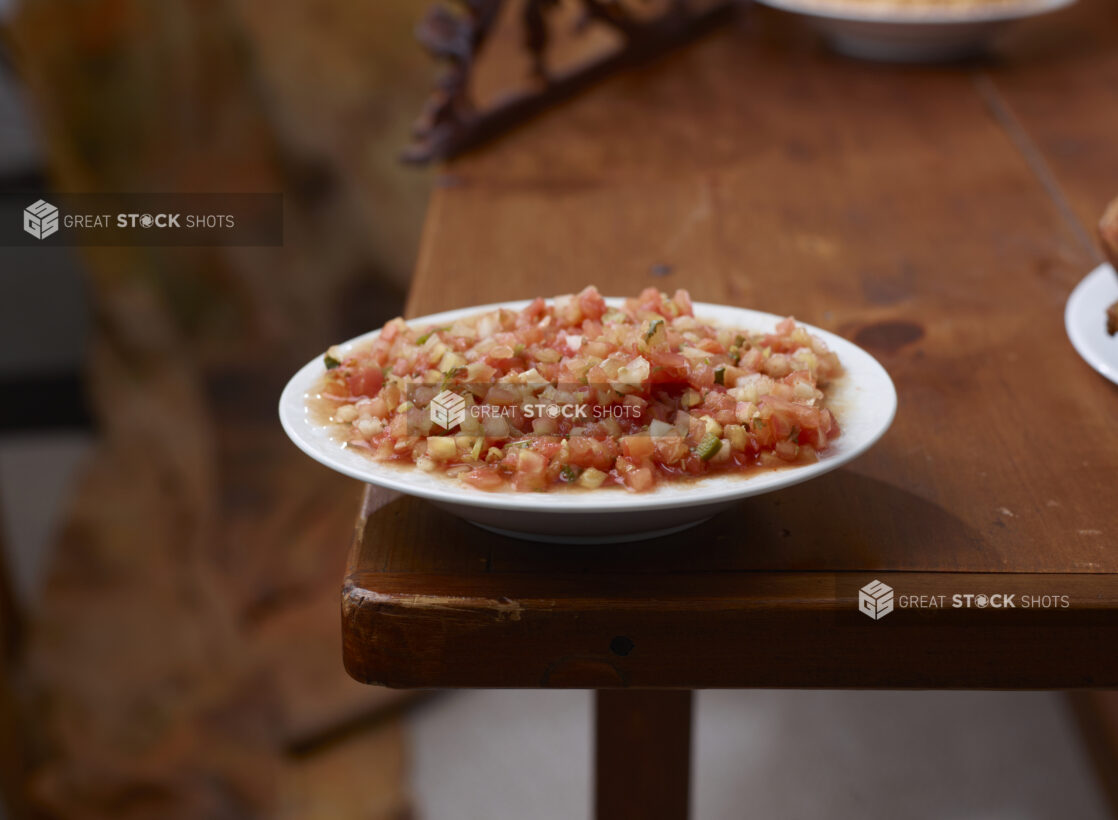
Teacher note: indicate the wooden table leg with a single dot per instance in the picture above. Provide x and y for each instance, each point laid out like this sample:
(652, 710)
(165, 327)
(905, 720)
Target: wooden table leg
(643, 754)
(1097, 715)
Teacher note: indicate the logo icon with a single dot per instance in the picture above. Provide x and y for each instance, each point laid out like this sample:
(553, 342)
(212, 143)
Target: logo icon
(40, 219)
(876, 599)
(448, 409)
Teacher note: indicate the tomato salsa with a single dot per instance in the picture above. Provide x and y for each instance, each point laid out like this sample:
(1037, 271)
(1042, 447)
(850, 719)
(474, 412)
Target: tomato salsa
(572, 392)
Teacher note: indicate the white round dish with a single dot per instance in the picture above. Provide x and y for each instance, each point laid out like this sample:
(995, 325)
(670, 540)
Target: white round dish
(1085, 320)
(916, 33)
(864, 401)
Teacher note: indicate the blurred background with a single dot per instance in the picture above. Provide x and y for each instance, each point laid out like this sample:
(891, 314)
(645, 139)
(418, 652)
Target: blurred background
(170, 565)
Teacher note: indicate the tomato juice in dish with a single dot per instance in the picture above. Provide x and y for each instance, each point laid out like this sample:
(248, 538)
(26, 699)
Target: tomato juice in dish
(570, 392)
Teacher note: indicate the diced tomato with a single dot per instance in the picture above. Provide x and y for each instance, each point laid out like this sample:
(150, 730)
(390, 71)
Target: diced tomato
(667, 366)
(484, 478)
(721, 406)
(629, 372)
(693, 465)
(806, 418)
(637, 447)
(596, 375)
(547, 446)
(365, 382)
(591, 452)
(532, 313)
(391, 330)
(670, 449)
(591, 303)
(651, 300)
(636, 477)
(702, 376)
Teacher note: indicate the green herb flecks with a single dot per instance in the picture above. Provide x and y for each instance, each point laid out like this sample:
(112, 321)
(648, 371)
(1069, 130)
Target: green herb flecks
(422, 340)
(449, 375)
(736, 349)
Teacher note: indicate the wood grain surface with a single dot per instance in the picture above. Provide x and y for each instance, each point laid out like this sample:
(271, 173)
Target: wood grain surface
(642, 741)
(937, 216)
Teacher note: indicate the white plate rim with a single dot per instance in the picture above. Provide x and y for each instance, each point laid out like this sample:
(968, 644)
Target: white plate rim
(1083, 297)
(316, 442)
(918, 16)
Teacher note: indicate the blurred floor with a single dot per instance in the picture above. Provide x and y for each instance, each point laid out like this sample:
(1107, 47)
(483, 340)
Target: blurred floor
(37, 471)
(780, 754)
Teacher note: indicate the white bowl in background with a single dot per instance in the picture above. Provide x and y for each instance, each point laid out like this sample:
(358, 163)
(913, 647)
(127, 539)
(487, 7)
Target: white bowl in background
(916, 33)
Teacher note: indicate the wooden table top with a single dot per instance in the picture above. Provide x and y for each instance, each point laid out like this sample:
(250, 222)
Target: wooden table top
(937, 216)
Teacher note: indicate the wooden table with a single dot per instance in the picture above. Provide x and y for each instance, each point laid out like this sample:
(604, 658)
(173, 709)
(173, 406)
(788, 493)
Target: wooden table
(938, 217)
